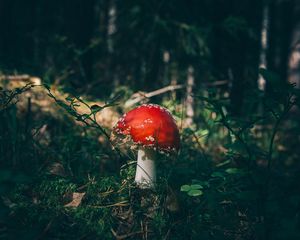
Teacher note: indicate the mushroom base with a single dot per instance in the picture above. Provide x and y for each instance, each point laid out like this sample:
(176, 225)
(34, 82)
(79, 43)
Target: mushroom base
(145, 175)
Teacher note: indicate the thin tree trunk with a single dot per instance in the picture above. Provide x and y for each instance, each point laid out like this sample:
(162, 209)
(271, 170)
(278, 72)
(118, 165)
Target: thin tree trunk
(264, 45)
(294, 55)
(174, 78)
(111, 30)
(101, 68)
(189, 97)
(166, 60)
(111, 25)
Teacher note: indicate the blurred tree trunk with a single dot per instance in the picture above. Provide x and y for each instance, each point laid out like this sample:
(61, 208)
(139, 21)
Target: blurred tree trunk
(166, 75)
(101, 19)
(100, 67)
(153, 68)
(294, 53)
(174, 78)
(264, 44)
(111, 30)
(111, 25)
(166, 71)
(190, 81)
(280, 30)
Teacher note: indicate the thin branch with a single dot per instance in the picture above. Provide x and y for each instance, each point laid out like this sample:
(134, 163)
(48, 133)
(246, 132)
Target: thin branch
(139, 96)
(22, 77)
(119, 204)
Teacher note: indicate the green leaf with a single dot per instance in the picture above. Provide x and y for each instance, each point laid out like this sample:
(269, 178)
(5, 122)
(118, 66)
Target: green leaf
(195, 193)
(196, 186)
(204, 184)
(185, 188)
(69, 99)
(233, 170)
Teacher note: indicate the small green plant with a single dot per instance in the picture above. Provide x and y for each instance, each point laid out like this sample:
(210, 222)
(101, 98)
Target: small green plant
(193, 190)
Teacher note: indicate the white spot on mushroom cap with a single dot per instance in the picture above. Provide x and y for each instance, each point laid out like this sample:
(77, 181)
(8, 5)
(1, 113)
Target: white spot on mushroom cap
(148, 120)
(150, 138)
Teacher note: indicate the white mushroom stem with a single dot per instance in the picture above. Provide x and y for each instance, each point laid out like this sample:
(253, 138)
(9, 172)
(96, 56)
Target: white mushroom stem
(145, 175)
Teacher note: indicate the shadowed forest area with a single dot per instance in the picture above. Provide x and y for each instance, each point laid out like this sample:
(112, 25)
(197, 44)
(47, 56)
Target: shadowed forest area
(227, 71)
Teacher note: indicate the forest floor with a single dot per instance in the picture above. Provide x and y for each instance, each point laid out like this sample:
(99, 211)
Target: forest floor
(234, 178)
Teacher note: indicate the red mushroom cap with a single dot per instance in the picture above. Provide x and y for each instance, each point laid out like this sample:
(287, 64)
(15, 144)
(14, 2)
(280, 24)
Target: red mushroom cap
(150, 125)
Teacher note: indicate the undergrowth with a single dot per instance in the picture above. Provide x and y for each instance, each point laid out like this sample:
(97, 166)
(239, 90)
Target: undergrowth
(234, 178)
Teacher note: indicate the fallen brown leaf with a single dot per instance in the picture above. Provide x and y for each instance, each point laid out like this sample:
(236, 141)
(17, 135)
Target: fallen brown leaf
(76, 199)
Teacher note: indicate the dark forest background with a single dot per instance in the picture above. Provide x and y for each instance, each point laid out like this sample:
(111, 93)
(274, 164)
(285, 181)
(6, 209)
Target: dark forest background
(229, 71)
(111, 43)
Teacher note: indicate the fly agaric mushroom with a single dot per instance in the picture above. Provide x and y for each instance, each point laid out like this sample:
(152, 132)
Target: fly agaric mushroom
(152, 128)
